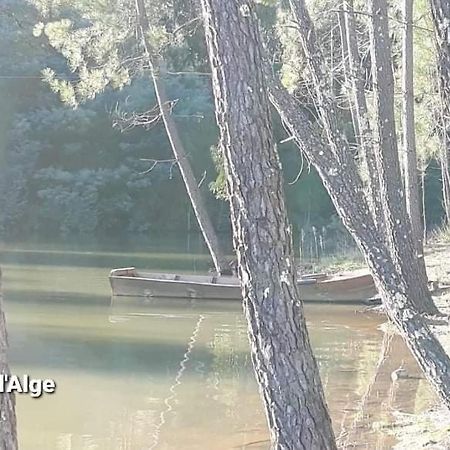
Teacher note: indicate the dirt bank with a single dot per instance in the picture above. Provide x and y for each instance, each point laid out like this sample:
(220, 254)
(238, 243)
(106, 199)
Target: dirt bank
(431, 429)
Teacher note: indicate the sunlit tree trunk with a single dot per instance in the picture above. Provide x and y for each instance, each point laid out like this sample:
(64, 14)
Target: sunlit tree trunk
(400, 236)
(410, 172)
(345, 190)
(445, 174)
(285, 368)
(396, 228)
(441, 17)
(423, 174)
(365, 138)
(8, 431)
(158, 72)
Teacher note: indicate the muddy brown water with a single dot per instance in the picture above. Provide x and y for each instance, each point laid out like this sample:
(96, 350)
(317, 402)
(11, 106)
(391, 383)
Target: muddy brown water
(135, 374)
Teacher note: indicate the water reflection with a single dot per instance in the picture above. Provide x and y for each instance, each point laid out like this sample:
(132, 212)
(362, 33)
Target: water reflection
(137, 374)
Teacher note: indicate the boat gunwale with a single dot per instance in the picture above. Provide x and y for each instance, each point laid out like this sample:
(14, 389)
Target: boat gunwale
(204, 283)
(307, 281)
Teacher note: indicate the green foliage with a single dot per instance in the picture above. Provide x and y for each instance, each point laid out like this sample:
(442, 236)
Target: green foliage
(67, 171)
(427, 103)
(425, 83)
(100, 44)
(294, 70)
(219, 185)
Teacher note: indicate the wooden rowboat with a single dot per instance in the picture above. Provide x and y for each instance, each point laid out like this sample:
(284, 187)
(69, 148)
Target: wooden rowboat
(353, 287)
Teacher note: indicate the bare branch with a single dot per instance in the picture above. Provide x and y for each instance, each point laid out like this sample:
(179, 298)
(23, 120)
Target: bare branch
(299, 172)
(156, 162)
(126, 121)
(401, 22)
(202, 179)
(191, 72)
(185, 25)
(150, 169)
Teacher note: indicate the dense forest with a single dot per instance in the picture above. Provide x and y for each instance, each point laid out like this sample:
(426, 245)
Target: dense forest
(76, 171)
(79, 169)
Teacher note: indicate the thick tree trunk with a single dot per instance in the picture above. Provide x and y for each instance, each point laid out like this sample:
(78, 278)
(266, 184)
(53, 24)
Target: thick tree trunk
(409, 262)
(158, 71)
(410, 172)
(441, 17)
(396, 223)
(285, 367)
(8, 431)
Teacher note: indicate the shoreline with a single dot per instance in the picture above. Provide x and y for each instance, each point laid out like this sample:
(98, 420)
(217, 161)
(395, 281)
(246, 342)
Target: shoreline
(429, 429)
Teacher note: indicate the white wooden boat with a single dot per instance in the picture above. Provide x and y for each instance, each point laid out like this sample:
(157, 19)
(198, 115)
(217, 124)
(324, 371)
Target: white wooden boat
(353, 287)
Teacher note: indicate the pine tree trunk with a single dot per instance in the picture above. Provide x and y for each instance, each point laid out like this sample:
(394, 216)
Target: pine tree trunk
(445, 175)
(441, 17)
(411, 178)
(348, 84)
(396, 229)
(158, 71)
(285, 368)
(423, 174)
(365, 138)
(409, 262)
(8, 431)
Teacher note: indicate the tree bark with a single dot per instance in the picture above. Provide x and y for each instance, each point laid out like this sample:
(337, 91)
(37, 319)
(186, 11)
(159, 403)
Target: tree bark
(423, 174)
(399, 296)
(348, 82)
(444, 157)
(396, 223)
(158, 72)
(345, 191)
(8, 429)
(410, 263)
(365, 138)
(410, 172)
(285, 367)
(441, 17)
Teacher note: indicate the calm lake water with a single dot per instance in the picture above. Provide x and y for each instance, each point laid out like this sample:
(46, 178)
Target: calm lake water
(135, 374)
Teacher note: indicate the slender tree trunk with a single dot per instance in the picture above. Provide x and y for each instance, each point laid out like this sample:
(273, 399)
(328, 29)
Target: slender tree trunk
(444, 155)
(411, 179)
(195, 195)
(285, 368)
(445, 174)
(366, 142)
(158, 72)
(348, 83)
(396, 222)
(8, 430)
(441, 17)
(410, 263)
(423, 174)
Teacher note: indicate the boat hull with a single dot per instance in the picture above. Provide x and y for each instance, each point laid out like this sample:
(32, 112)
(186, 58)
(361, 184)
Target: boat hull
(144, 287)
(131, 283)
